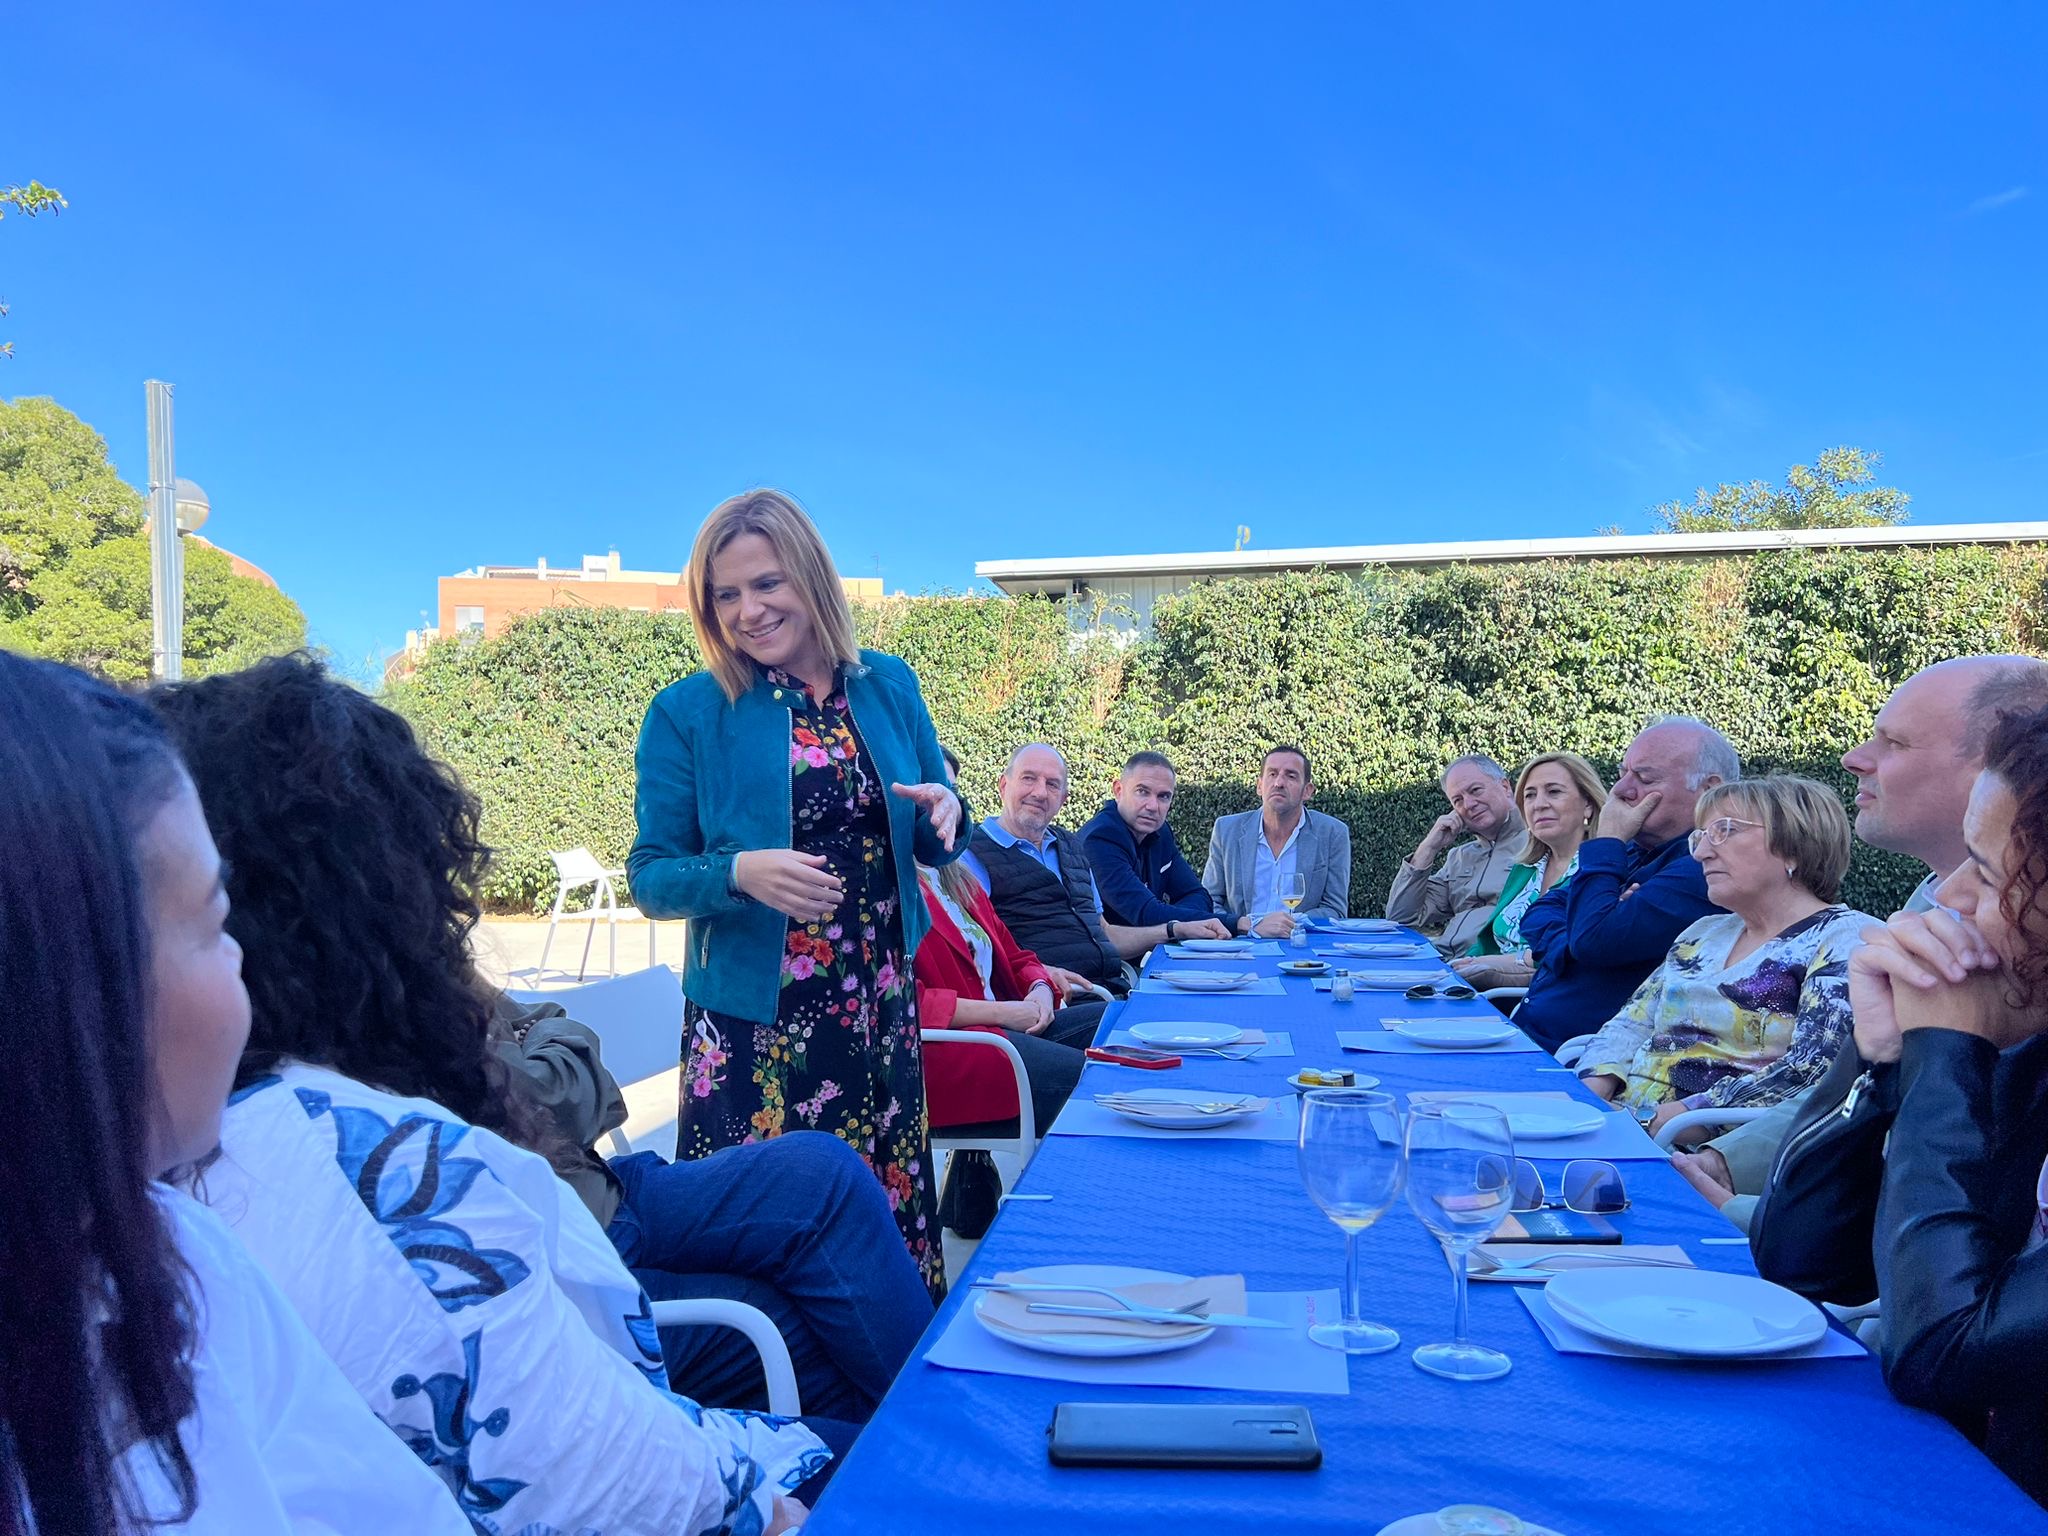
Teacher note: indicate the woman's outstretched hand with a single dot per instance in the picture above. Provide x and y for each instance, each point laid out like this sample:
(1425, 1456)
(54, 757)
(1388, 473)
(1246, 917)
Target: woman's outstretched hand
(938, 802)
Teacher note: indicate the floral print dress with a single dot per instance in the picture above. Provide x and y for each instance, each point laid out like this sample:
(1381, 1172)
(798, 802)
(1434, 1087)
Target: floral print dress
(842, 1054)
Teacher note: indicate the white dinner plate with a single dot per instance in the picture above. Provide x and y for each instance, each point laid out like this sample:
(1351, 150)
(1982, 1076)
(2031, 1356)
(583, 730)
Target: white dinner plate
(1384, 951)
(1167, 1119)
(1100, 1346)
(1303, 967)
(1204, 981)
(1362, 925)
(1390, 981)
(1448, 1033)
(1686, 1311)
(1186, 1032)
(1428, 1525)
(1559, 1124)
(1215, 946)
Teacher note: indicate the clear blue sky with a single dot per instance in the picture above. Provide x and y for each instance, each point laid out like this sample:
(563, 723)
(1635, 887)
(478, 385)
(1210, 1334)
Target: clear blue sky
(448, 284)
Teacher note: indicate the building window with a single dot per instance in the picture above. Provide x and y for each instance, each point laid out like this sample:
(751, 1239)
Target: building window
(469, 618)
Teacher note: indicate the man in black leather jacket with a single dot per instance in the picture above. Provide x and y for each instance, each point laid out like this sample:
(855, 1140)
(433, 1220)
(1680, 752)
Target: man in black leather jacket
(1950, 1062)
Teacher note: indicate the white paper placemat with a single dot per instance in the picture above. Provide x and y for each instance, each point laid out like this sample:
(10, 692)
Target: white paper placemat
(1264, 986)
(1383, 1040)
(1568, 1340)
(1277, 1042)
(1280, 1121)
(1229, 1360)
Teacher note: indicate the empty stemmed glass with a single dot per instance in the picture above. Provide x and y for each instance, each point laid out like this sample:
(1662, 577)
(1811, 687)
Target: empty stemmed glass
(1350, 1159)
(1461, 1182)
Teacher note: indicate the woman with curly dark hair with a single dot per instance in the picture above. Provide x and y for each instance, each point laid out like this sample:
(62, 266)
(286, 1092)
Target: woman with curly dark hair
(151, 1376)
(378, 1164)
(1919, 1172)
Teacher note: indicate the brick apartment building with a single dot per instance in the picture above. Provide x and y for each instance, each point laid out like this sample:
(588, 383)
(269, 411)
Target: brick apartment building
(484, 600)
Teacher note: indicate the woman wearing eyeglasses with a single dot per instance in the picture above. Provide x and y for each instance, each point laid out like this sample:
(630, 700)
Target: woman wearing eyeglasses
(1917, 1169)
(1750, 1005)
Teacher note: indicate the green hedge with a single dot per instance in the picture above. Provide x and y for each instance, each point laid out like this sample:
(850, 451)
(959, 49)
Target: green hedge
(1382, 678)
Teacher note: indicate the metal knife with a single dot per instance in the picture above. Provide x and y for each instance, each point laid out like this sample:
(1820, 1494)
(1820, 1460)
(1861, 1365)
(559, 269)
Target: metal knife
(1149, 1315)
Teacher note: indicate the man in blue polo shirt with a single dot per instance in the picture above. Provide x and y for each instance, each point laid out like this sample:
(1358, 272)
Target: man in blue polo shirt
(1144, 879)
(1597, 935)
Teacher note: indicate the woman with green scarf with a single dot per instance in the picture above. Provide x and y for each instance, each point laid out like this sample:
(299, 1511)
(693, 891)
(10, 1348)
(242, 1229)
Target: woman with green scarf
(1559, 796)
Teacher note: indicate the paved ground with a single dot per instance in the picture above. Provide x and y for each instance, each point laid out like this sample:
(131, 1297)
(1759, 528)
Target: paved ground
(508, 952)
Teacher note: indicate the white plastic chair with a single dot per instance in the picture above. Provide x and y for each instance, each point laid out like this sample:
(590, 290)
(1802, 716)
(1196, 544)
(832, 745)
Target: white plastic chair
(1569, 1053)
(1500, 995)
(638, 1021)
(761, 1332)
(1025, 1142)
(575, 870)
(1692, 1119)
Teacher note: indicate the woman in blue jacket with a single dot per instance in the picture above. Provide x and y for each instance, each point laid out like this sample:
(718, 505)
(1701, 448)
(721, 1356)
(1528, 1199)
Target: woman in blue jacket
(786, 794)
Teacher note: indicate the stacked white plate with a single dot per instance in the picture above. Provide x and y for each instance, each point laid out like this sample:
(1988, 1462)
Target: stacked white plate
(1453, 1034)
(1185, 1034)
(1181, 1109)
(1208, 981)
(1686, 1311)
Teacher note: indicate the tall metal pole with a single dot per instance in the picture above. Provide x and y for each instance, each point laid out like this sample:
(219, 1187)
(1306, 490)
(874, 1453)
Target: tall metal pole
(166, 562)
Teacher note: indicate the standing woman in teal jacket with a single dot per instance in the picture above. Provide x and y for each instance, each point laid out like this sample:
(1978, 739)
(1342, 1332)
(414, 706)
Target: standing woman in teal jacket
(786, 795)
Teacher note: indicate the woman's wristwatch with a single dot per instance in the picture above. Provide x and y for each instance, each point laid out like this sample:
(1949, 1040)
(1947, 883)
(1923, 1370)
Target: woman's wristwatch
(1172, 930)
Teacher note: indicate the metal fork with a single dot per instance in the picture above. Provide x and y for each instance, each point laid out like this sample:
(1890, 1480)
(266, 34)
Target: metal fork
(1037, 1288)
(1170, 1107)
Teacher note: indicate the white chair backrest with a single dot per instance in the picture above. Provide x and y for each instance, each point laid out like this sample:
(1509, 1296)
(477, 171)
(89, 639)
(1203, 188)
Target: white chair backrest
(638, 1019)
(578, 866)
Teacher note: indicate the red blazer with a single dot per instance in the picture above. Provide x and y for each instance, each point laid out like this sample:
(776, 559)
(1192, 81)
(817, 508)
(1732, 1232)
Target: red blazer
(963, 1084)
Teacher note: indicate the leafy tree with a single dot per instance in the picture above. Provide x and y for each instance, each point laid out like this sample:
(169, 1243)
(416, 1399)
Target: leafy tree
(58, 495)
(28, 201)
(75, 569)
(1836, 492)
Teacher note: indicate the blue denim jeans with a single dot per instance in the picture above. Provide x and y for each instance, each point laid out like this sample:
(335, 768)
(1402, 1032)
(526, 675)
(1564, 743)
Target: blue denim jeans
(796, 1226)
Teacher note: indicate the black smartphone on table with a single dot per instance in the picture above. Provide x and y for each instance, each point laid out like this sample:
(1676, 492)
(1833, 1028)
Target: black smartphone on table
(1243, 1436)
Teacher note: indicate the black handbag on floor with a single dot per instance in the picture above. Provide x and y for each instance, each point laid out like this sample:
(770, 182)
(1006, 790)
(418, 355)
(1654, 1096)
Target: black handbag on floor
(973, 1190)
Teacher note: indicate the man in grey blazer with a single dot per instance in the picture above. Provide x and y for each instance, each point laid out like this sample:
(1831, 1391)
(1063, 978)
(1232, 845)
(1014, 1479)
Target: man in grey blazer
(1252, 852)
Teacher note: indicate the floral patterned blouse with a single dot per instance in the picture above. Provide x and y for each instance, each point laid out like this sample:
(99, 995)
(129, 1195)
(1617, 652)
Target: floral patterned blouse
(1746, 1035)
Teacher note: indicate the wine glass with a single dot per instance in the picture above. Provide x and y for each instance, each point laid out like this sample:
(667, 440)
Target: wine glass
(1293, 889)
(1461, 1178)
(1350, 1160)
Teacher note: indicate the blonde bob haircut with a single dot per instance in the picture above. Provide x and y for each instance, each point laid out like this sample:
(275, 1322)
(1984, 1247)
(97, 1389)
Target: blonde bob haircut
(1582, 775)
(804, 561)
(1803, 822)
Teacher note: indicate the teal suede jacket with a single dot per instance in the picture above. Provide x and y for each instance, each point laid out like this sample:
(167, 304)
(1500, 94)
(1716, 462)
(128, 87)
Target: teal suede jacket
(713, 781)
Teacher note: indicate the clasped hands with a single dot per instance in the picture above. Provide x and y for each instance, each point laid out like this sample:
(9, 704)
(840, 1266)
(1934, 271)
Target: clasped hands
(1930, 970)
(800, 885)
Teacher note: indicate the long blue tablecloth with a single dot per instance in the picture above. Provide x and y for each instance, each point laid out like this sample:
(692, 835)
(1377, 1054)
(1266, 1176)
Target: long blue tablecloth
(1588, 1446)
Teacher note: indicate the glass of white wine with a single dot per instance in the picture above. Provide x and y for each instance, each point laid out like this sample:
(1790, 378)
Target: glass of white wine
(1461, 1182)
(1293, 889)
(1350, 1160)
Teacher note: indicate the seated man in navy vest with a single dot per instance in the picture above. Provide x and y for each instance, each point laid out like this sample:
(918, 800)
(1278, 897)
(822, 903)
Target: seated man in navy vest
(1038, 877)
(1144, 879)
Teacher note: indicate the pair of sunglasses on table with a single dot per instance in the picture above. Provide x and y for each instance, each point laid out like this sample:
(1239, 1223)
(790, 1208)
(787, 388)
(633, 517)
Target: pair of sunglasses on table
(1456, 991)
(1591, 1188)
